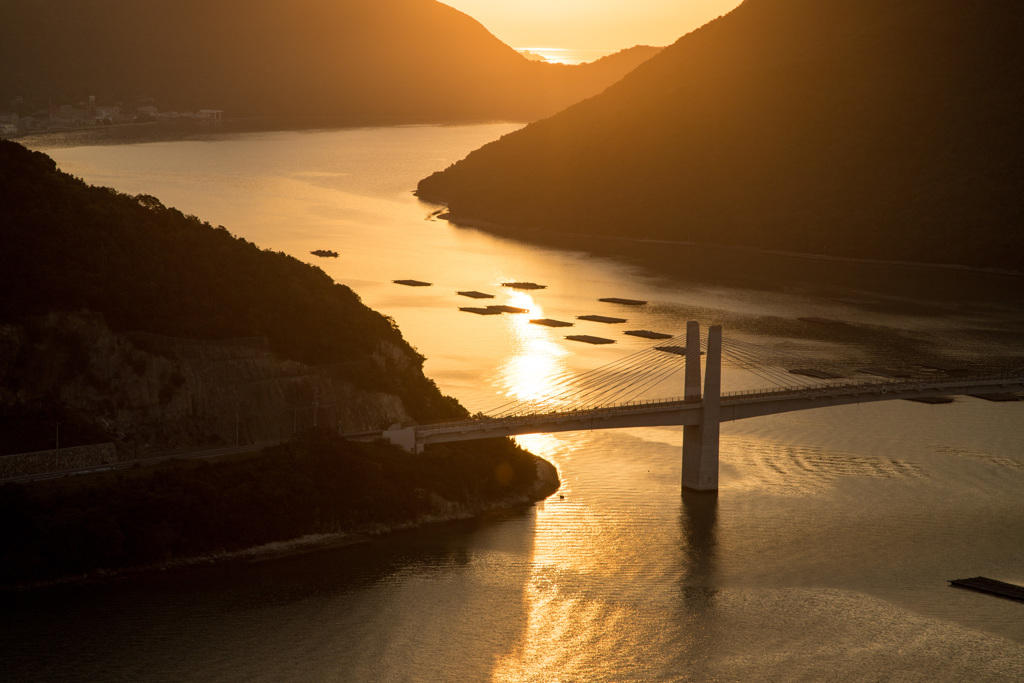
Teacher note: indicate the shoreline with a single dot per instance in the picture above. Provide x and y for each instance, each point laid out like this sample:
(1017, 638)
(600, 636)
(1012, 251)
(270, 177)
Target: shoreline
(546, 485)
(488, 226)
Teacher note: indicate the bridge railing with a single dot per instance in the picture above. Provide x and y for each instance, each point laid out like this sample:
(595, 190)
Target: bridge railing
(882, 385)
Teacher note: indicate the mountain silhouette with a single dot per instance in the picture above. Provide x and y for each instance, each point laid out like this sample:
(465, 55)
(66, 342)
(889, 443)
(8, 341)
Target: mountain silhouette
(863, 128)
(376, 61)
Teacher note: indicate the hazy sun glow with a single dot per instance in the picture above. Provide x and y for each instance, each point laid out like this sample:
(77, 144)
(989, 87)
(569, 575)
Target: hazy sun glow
(561, 55)
(598, 24)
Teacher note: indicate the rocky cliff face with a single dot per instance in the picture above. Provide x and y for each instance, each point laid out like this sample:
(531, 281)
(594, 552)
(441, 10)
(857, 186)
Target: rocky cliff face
(149, 392)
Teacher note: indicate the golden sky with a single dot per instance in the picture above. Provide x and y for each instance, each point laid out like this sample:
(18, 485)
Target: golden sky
(596, 24)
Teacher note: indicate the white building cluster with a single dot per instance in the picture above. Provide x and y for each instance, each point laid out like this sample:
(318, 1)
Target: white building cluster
(88, 114)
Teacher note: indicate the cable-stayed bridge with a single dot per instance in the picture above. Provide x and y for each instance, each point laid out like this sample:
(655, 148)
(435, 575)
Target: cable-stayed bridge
(609, 397)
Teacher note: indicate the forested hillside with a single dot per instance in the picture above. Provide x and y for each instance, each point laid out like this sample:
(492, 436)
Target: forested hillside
(150, 270)
(866, 128)
(124, 321)
(385, 61)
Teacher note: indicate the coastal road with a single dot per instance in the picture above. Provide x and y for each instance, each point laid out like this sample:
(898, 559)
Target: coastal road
(143, 462)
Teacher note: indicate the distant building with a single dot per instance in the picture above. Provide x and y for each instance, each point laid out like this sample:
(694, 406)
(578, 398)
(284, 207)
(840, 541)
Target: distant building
(107, 112)
(8, 129)
(214, 114)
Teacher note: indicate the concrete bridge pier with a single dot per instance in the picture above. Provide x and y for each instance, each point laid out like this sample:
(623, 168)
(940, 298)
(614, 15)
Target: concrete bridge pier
(700, 441)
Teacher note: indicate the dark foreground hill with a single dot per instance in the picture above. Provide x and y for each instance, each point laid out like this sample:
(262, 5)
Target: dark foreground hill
(867, 128)
(379, 61)
(146, 326)
(126, 322)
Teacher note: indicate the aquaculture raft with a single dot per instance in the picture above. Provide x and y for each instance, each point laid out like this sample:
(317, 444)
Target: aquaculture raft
(479, 311)
(548, 322)
(821, 321)
(412, 283)
(600, 319)
(647, 334)
(815, 373)
(475, 295)
(887, 373)
(931, 400)
(523, 285)
(986, 585)
(504, 308)
(589, 339)
(625, 302)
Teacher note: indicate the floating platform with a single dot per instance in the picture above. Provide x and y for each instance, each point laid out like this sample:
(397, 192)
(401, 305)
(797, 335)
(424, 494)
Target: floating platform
(931, 400)
(647, 334)
(601, 319)
(479, 311)
(942, 367)
(412, 283)
(503, 308)
(590, 339)
(475, 295)
(998, 398)
(821, 321)
(887, 373)
(991, 586)
(815, 373)
(678, 350)
(548, 322)
(624, 302)
(523, 285)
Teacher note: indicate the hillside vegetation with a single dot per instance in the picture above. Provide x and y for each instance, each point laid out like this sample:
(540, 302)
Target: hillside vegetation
(385, 61)
(127, 321)
(147, 269)
(867, 128)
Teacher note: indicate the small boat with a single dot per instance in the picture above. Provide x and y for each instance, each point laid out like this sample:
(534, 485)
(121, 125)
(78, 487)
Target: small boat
(325, 253)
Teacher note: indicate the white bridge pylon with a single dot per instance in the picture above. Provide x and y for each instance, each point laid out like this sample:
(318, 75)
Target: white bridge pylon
(701, 409)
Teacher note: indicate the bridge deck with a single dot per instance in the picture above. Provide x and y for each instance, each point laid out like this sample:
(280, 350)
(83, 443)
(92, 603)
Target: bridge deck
(733, 406)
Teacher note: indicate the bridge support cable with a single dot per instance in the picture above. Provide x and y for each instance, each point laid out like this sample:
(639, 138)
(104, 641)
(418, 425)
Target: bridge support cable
(571, 384)
(774, 376)
(779, 358)
(620, 380)
(776, 367)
